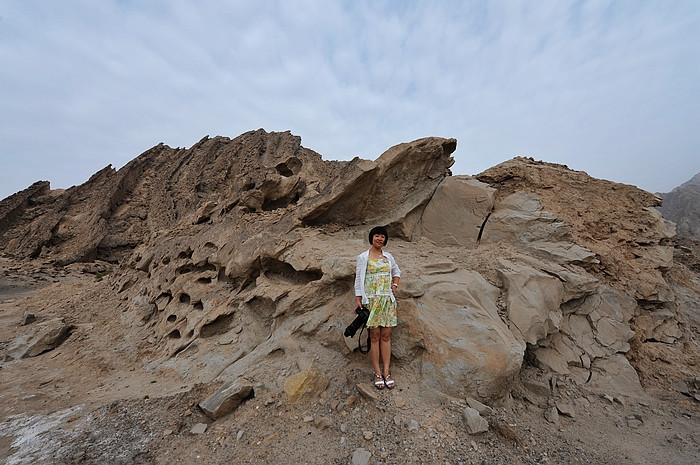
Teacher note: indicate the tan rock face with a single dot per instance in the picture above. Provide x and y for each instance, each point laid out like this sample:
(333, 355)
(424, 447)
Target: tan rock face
(682, 206)
(457, 211)
(235, 259)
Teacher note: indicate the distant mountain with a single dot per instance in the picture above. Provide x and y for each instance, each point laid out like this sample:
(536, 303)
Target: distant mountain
(682, 206)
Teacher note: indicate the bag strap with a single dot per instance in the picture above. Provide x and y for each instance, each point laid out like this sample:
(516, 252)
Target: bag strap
(359, 340)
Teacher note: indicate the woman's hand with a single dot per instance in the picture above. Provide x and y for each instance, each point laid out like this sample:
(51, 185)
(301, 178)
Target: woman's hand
(358, 302)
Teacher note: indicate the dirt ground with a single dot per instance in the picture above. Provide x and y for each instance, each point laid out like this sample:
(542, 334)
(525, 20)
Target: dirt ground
(92, 400)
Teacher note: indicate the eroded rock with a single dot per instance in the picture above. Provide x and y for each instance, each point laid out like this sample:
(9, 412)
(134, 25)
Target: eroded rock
(44, 336)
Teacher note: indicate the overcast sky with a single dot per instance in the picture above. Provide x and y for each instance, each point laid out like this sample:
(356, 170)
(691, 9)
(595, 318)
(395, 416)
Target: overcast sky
(608, 87)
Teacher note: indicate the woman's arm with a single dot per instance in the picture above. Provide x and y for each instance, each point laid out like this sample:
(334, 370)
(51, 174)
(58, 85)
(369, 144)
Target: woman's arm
(359, 280)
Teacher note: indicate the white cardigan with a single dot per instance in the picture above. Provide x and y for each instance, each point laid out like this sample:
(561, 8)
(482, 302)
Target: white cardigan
(360, 271)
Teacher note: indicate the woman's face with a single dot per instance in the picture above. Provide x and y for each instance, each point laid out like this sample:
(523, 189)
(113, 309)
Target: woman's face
(378, 240)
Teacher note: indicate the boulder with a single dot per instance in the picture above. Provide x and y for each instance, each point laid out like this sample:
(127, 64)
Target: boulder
(468, 350)
(43, 337)
(226, 399)
(305, 385)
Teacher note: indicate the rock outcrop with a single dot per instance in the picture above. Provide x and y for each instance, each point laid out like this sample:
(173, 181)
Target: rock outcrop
(235, 259)
(682, 206)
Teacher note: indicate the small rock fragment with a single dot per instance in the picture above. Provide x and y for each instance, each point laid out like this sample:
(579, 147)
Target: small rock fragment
(361, 456)
(475, 423)
(199, 428)
(367, 392)
(552, 415)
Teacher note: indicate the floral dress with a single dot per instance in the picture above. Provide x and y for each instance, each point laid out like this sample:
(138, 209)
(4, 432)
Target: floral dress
(378, 287)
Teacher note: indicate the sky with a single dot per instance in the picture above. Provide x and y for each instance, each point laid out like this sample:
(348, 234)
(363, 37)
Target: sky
(611, 88)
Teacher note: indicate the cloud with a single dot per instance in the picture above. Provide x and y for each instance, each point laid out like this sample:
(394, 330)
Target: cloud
(606, 87)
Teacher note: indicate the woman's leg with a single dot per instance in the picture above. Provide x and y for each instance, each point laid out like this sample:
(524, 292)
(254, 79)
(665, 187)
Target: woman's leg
(374, 335)
(385, 349)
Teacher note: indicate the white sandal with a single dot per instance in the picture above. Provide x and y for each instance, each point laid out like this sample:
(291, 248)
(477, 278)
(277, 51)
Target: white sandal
(378, 381)
(390, 384)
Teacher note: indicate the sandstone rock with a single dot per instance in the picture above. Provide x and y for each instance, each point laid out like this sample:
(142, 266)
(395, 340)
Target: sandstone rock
(534, 299)
(43, 337)
(235, 258)
(226, 399)
(468, 348)
(520, 219)
(474, 422)
(469, 202)
(615, 374)
(307, 384)
(394, 189)
(660, 325)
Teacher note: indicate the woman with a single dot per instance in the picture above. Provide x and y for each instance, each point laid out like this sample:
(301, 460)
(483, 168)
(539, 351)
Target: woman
(376, 280)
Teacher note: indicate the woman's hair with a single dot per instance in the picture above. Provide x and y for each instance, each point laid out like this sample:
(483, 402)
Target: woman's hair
(378, 230)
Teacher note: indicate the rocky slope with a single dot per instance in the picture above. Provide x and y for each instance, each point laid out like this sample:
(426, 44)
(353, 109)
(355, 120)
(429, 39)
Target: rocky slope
(208, 289)
(682, 206)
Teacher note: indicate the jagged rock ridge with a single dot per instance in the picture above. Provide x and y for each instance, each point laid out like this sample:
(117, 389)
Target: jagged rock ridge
(234, 259)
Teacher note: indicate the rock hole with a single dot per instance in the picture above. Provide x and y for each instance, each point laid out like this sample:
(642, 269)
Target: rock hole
(284, 170)
(290, 167)
(204, 280)
(221, 275)
(174, 334)
(189, 268)
(282, 271)
(172, 318)
(184, 298)
(147, 317)
(163, 300)
(185, 254)
(165, 260)
(198, 305)
(220, 325)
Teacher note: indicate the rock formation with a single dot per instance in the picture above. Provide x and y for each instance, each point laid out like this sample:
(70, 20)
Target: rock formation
(234, 260)
(682, 206)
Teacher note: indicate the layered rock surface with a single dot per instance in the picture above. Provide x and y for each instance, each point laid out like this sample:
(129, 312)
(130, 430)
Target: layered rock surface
(682, 206)
(234, 260)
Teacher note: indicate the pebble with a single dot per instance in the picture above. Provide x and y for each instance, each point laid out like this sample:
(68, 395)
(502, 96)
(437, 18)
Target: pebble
(361, 456)
(199, 428)
(634, 423)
